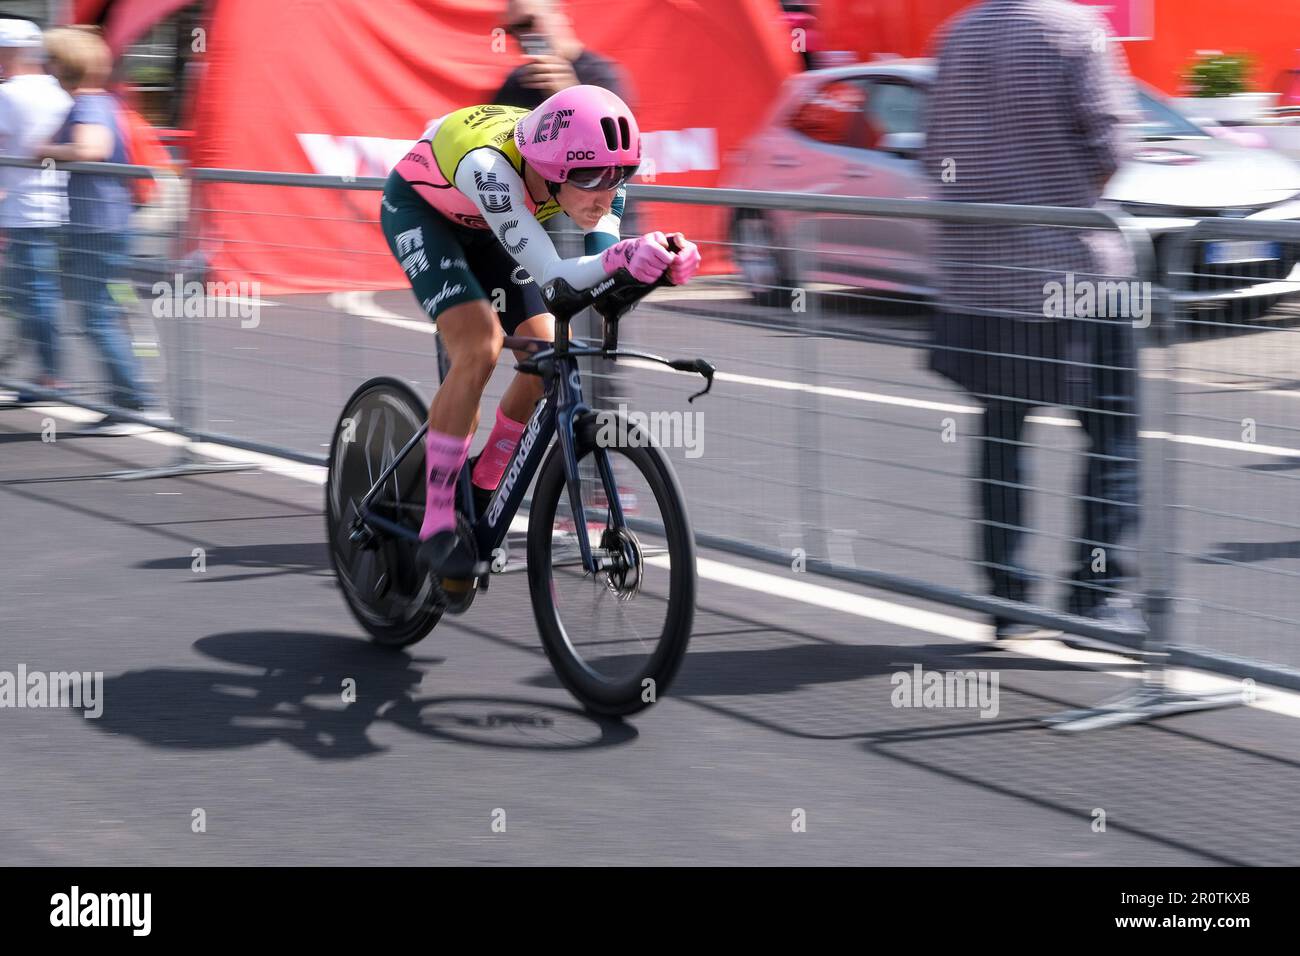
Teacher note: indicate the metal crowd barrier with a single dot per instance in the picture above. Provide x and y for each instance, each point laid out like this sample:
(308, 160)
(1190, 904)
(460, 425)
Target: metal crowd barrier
(1234, 445)
(828, 446)
(110, 354)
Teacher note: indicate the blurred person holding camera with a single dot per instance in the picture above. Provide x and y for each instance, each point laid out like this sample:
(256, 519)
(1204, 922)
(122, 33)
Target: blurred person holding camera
(99, 206)
(34, 203)
(556, 57)
(557, 60)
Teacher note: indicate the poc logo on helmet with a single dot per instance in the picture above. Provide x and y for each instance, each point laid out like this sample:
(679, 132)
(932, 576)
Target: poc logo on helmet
(579, 154)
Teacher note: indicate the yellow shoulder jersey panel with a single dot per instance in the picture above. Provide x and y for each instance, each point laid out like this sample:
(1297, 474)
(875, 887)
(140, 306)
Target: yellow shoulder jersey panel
(478, 126)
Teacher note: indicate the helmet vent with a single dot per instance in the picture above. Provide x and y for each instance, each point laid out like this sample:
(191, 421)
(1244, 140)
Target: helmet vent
(626, 132)
(611, 136)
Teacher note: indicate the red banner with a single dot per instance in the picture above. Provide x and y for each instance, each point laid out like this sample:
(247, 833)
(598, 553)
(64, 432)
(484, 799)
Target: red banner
(344, 87)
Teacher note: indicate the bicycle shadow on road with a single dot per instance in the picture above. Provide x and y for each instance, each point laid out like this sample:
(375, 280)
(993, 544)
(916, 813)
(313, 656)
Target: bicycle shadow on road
(794, 667)
(261, 560)
(748, 672)
(290, 687)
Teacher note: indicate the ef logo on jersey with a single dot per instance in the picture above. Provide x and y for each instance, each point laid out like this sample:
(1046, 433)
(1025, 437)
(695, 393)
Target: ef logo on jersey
(551, 124)
(494, 193)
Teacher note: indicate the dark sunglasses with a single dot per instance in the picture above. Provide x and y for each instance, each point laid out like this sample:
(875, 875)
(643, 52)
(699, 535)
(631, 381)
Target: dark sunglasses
(524, 25)
(601, 177)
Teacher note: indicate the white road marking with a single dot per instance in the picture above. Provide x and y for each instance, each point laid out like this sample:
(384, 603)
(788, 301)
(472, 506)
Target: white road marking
(357, 303)
(826, 390)
(1268, 698)
(240, 300)
(1252, 447)
(1273, 699)
(363, 305)
(849, 394)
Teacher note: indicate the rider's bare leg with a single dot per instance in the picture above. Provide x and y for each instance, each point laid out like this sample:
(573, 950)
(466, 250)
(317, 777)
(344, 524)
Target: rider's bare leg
(526, 390)
(472, 336)
(516, 405)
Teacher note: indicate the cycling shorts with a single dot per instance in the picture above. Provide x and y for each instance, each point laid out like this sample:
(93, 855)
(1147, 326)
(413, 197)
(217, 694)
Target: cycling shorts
(448, 264)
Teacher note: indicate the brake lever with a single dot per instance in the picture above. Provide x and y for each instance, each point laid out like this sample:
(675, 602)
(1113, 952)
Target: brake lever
(620, 291)
(699, 367)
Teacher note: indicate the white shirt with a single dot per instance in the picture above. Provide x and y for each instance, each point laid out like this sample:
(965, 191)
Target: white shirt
(32, 108)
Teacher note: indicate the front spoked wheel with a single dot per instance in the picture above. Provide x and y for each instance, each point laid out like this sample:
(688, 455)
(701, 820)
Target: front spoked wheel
(377, 571)
(617, 636)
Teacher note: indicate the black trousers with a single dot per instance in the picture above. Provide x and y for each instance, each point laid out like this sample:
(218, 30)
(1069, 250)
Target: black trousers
(1108, 500)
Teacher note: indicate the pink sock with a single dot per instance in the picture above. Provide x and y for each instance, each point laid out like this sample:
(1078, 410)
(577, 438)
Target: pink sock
(496, 454)
(443, 457)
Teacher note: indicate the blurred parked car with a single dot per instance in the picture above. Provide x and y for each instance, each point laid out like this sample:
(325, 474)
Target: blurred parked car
(858, 131)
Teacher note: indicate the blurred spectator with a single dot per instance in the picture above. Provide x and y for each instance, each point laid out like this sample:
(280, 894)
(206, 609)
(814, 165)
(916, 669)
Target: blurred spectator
(556, 57)
(1027, 108)
(556, 60)
(99, 206)
(34, 204)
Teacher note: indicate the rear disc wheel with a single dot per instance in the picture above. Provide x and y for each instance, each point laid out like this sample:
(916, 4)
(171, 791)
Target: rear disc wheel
(378, 572)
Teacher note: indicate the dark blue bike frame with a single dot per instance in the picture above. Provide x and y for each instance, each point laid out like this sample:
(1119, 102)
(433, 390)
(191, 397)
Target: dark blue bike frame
(557, 413)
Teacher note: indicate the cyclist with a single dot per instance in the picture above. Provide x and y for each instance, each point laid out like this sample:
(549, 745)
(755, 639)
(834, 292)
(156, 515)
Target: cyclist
(462, 212)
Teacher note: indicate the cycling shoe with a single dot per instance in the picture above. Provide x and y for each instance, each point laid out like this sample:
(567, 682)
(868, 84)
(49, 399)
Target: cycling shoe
(446, 555)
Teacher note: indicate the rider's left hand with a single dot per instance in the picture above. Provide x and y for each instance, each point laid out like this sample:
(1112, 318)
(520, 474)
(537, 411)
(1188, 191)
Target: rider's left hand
(686, 261)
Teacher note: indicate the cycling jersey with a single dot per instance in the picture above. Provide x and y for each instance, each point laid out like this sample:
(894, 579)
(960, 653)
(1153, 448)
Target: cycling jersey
(467, 166)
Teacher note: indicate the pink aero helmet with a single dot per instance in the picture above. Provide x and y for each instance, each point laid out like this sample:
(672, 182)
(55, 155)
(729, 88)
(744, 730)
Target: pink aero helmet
(584, 135)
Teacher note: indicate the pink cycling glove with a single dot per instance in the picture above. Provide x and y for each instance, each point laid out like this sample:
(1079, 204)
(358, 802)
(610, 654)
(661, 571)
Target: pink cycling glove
(686, 260)
(646, 257)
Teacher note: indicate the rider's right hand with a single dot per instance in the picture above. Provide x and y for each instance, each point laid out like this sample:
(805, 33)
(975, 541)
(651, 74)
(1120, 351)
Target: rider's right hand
(646, 257)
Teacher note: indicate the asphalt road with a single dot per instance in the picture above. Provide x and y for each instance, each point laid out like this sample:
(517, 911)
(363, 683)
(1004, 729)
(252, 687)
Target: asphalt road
(222, 687)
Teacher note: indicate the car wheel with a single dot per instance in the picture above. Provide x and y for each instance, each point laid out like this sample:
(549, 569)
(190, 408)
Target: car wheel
(764, 267)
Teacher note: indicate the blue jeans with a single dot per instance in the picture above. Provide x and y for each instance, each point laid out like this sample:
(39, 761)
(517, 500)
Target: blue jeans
(92, 261)
(31, 279)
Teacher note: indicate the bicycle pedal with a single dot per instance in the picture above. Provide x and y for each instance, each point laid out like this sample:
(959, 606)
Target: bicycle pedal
(456, 594)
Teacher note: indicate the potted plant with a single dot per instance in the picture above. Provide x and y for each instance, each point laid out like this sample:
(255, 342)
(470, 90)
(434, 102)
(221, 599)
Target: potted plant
(1218, 83)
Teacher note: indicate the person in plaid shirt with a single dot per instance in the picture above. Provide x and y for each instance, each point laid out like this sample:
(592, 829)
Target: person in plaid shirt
(1029, 107)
